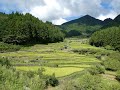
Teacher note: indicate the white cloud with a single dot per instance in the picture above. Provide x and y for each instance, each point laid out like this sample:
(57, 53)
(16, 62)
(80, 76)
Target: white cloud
(111, 15)
(51, 11)
(59, 21)
(116, 6)
(57, 10)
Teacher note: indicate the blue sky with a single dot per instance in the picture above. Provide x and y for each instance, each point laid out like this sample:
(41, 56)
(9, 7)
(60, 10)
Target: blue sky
(60, 11)
(106, 5)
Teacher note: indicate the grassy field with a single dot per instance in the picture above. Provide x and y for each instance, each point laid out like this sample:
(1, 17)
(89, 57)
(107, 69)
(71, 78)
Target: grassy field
(56, 58)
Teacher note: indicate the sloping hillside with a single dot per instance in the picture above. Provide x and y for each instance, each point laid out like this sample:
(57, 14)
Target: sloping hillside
(87, 25)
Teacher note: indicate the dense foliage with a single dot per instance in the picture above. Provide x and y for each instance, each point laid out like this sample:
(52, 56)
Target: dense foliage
(112, 62)
(90, 82)
(11, 79)
(98, 69)
(73, 33)
(118, 75)
(109, 36)
(20, 29)
(4, 47)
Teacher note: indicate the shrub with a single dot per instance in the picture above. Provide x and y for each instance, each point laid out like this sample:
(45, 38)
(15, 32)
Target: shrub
(98, 57)
(36, 84)
(85, 51)
(108, 47)
(88, 82)
(40, 72)
(68, 85)
(5, 62)
(52, 80)
(8, 47)
(13, 80)
(114, 87)
(15, 39)
(112, 64)
(30, 74)
(98, 69)
(118, 75)
(9, 39)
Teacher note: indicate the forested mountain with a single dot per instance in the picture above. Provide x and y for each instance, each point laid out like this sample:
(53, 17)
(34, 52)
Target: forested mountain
(20, 29)
(117, 19)
(87, 25)
(112, 23)
(87, 20)
(107, 21)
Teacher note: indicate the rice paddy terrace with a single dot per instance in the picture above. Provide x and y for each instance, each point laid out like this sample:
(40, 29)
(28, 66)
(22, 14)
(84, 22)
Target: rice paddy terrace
(58, 58)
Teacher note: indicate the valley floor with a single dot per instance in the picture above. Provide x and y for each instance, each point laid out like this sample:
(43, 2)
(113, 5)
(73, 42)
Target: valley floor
(56, 58)
(59, 59)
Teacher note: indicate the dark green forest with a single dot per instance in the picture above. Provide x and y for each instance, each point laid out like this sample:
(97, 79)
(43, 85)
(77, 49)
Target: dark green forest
(18, 28)
(109, 36)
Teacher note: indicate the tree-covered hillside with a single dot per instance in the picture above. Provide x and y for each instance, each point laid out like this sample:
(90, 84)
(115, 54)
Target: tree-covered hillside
(105, 37)
(87, 20)
(85, 25)
(111, 23)
(17, 28)
(109, 35)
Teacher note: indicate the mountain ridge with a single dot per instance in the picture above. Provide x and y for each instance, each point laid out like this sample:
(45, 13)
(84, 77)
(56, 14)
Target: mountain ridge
(83, 19)
(87, 24)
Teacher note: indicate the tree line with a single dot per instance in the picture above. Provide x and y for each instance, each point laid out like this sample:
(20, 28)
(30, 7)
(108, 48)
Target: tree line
(18, 28)
(109, 36)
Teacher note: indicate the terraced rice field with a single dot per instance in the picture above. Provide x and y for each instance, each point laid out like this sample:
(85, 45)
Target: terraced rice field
(59, 72)
(55, 58)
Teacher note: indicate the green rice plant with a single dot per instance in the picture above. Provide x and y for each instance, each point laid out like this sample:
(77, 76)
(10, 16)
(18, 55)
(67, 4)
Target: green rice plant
(59, 72)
